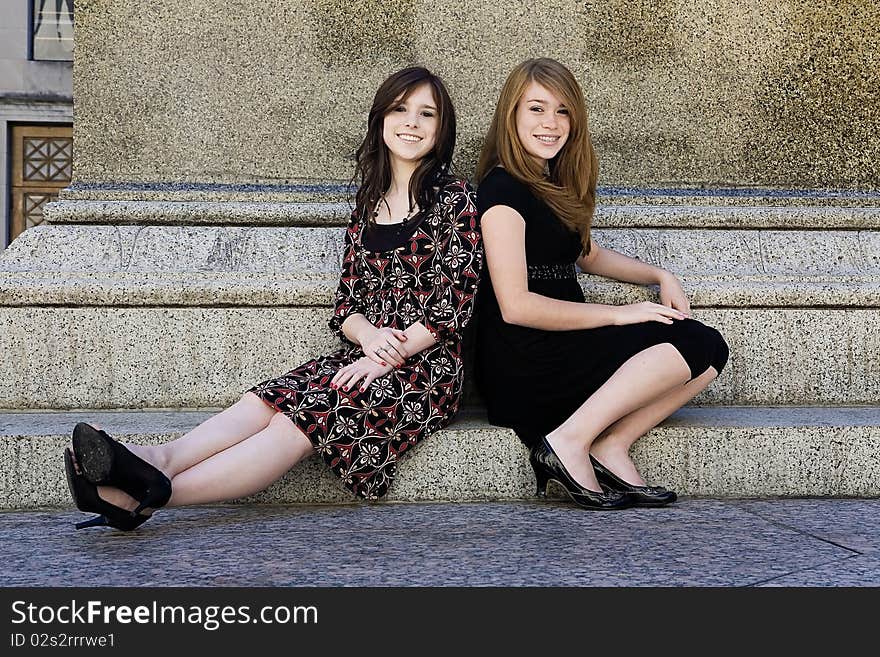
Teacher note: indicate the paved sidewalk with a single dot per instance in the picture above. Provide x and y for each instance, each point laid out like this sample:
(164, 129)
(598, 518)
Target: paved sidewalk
(697, 542)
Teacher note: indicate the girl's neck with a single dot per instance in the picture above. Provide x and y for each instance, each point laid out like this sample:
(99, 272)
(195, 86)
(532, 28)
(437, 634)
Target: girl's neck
(401, 173)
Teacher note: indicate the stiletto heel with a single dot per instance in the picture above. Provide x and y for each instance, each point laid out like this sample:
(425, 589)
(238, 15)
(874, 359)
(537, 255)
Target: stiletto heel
(641, 495)
(106, 462)
(547, 466)
(541, 479)
(97, 521)
(85, 496)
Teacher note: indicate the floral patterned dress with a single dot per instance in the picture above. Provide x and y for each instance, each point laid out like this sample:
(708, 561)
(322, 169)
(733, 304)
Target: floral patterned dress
(431, 278)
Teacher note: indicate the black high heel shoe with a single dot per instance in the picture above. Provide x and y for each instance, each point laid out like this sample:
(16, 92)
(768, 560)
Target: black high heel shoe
(85, 496)
(106, 462)
(641, 495)
(547, 466)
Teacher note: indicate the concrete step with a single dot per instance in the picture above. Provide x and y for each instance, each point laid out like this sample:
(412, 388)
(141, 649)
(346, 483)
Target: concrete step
(158, 316)
(718, 452)
(110, 357)
(637, 214)
(786, 257)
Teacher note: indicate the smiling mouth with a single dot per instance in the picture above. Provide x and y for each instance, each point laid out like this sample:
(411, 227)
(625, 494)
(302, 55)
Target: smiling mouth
(409, 139)
(547, 139)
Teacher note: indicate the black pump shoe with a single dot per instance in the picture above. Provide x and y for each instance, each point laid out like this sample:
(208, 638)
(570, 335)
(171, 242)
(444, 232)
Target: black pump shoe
(641, 495)
(85, 496)
(106, 462)
(547, 466)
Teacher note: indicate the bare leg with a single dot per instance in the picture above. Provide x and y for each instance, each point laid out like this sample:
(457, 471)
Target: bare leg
(246, 417)
(612, 446)
(247, 467)
(640, 380)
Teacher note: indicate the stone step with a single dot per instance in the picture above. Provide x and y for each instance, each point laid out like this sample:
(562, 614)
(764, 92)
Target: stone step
(718, 452)
(110, 357)
(303, 252)
(73, 205)
(134, 316)
(632, 212)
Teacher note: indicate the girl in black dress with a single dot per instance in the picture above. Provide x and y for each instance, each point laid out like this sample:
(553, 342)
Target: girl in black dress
(409, 275)
(579, 382)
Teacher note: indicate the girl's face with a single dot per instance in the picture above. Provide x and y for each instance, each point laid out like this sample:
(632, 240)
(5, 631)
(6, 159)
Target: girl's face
(542, 122)
(410, 126)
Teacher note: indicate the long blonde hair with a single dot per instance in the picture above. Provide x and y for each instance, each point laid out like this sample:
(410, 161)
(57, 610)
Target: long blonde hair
(570, 190)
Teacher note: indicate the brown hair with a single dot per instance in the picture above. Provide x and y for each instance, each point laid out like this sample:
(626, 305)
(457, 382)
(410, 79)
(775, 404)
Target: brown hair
(570, 190)
(373, 165)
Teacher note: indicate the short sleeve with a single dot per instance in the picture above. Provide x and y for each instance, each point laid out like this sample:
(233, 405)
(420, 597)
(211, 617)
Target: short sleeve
(500, 188)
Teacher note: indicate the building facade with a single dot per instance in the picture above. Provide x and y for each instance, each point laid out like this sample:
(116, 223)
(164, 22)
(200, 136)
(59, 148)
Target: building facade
(36, 109)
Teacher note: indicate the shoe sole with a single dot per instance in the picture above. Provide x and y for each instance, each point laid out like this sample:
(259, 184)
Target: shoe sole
(69, 474)
(94, 455)
(590, 508)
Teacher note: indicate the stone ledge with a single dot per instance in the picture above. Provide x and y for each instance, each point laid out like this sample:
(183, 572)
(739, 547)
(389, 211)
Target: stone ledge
(643, 214)
(726, 452)
(197, 213)
(338, 191)
(137, 357)
(315, 289)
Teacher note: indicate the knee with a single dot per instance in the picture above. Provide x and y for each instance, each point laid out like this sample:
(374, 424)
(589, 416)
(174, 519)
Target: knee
(702, 347)
(718, 349)
(281, 421)
(251, 401)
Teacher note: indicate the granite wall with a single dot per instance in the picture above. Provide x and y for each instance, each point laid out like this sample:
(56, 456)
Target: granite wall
(699, 92)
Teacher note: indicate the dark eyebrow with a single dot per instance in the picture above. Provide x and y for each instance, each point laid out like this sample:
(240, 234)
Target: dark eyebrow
(430, 107)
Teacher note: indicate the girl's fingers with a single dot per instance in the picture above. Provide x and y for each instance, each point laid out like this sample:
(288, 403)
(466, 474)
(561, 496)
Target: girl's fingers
(358, 375)
(338, 376)
(368, 379)
(342, 382)
(396, 355)
(375, 357)
(345, 381)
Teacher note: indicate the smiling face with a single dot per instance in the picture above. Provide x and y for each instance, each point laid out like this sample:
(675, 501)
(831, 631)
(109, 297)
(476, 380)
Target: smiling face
(542, 122)
(410, 126)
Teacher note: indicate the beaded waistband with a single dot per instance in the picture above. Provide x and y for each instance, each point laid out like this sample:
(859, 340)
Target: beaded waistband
(555, 272)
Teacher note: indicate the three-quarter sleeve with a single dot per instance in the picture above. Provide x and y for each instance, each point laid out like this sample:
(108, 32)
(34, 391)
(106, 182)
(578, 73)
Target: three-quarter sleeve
(458, 260)
(349, 298)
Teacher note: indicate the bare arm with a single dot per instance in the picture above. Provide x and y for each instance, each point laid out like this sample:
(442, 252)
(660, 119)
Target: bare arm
(504, 242)
(611, 264)
(504, 239)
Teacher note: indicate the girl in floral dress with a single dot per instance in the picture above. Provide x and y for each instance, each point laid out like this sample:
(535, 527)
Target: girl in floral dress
(412, 260)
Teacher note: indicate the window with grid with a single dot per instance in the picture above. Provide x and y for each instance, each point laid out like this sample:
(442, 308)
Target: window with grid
(52, 30)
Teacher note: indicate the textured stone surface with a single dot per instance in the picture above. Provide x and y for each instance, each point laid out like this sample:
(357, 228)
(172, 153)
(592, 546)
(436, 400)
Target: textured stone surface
(120, 357)
(330, 192)
(714, 91)
(235, 212)
(699, 451)
(192, 249)
(629, 215)
(791, 256)
(694, 543)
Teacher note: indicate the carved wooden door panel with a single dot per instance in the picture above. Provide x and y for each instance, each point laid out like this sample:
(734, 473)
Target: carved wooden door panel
(42, 158)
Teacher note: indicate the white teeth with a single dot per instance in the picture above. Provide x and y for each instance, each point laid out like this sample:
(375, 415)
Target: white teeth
(547, 140)
(412, 139)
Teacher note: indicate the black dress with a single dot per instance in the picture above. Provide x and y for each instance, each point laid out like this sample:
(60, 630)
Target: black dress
(531, 379)
(430, 276)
